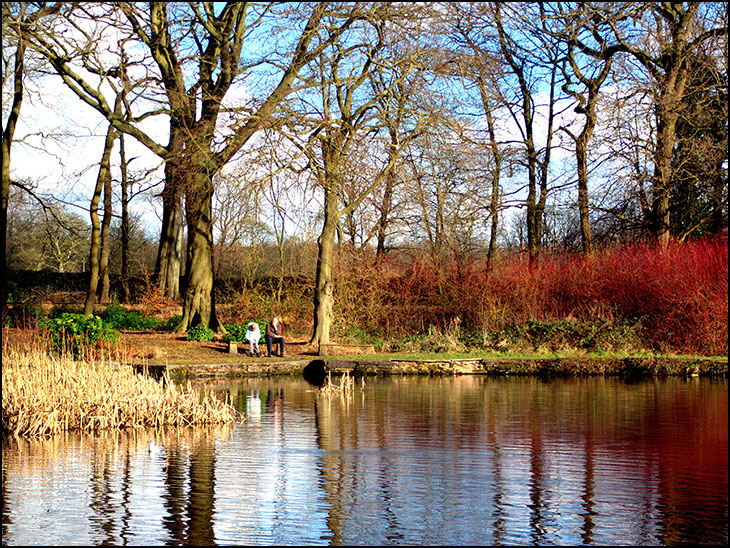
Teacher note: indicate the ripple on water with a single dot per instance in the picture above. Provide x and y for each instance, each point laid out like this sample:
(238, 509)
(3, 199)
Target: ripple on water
(409, 461)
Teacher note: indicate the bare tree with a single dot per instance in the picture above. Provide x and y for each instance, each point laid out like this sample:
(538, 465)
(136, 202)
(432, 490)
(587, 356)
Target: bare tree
(18, 17)
(533, 60)
(196, 151)
(572, 25)
(100, 248)
(662, 37)
(346, 107)
(481, 66)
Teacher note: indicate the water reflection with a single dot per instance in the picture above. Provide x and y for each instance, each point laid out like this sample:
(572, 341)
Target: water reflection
(405, 460)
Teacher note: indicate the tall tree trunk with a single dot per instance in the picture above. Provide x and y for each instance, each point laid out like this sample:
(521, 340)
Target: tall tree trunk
(199, 303)
(167, 266)
(169, 256)
(496, 174)
(8, 133)
(669, 104)
(125, 221)
(384, 221)
(280, 242)
(324, 284)
(533, 227)
(668, 111)
(581, 157)
(387, 203)
(544, 163)
(101, 181)
(661, 185)
(105, 242)
(581, 145)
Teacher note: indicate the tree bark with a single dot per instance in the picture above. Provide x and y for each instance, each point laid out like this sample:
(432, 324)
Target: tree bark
(105, 241)
(386, 205)
(324, 284)
(8, 133)
(583, 212)
(662, 181)
(169, 256)
(125, 221)
(496, 174)
(101, 181)
(199, 303)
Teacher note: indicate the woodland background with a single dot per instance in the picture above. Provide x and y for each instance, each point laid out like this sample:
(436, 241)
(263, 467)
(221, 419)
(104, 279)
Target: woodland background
(433, 176)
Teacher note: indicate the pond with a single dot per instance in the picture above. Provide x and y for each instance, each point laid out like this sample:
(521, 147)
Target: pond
(398, 460)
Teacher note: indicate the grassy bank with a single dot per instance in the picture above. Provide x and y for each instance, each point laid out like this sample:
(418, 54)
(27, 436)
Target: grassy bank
(44, 395)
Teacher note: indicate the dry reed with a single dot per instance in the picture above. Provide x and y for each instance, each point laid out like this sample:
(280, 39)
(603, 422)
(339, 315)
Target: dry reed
(347, 383)
(43, 395)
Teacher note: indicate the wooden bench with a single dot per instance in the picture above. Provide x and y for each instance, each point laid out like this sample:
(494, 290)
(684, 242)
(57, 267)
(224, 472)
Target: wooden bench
(233, 347)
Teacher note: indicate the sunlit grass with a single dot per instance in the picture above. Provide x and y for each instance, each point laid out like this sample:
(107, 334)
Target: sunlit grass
(480, 354)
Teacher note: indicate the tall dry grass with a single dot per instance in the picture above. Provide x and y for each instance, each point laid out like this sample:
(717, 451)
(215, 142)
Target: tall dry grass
(43, 394)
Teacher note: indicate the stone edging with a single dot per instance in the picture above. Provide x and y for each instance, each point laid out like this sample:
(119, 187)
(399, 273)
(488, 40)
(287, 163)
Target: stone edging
(544, 367)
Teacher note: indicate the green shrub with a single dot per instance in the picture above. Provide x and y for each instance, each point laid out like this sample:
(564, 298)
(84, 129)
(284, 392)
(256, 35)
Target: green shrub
(237, 331)
(472, 338)
(78, 334)
(121, 318)
(598, 335)
(200, 333)
(172, 323)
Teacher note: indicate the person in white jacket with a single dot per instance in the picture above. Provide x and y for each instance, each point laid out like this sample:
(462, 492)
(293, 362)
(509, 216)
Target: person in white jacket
(253, 334)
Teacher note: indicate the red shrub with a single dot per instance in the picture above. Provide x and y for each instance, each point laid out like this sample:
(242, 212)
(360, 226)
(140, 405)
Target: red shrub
(678, 295)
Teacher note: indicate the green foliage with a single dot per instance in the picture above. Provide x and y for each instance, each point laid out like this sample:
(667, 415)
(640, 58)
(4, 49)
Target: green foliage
(172, 323)
(78, 334)
(471, 338)
(448, 339)
(361, 335)
(121, 318)
(237, 331)
(599, 335)
(200, 333)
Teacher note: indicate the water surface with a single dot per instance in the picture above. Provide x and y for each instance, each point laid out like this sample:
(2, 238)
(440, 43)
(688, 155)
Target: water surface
(401, 460)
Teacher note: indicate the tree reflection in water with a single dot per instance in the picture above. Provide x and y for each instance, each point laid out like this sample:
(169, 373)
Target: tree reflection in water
(453, 460)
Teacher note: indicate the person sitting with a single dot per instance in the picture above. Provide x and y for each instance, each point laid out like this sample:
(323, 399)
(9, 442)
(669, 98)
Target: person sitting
(275, 335)
(253, 334)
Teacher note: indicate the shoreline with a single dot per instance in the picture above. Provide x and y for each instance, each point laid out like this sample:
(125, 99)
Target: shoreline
(631, 367)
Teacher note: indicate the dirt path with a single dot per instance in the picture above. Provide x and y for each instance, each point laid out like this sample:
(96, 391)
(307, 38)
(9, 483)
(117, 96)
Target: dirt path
(158, 346)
